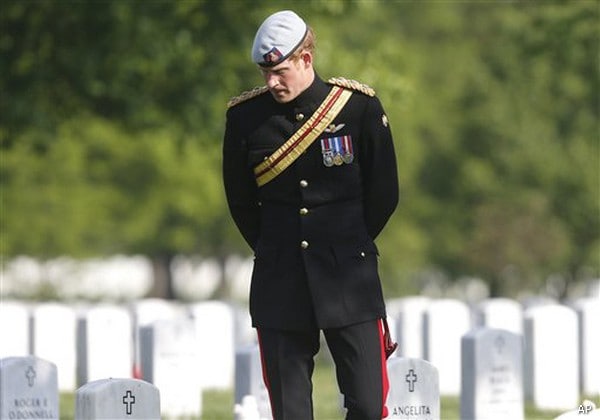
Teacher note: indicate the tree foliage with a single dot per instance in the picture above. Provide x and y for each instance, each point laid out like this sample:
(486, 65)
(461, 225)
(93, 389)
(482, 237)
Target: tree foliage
(112, 115)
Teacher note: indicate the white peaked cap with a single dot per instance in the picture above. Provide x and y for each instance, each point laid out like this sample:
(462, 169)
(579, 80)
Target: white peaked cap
(278, 37)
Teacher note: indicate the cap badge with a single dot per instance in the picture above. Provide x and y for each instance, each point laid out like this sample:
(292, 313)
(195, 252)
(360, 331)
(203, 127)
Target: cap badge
(273, 56)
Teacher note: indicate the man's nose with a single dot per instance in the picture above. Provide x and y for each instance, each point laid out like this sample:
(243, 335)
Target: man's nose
(272, 80)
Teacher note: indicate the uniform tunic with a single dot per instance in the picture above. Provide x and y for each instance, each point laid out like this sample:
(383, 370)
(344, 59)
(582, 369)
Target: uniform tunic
(312, 228)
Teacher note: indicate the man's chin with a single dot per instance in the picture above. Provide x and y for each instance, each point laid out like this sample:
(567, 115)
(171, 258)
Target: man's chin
(281, 96)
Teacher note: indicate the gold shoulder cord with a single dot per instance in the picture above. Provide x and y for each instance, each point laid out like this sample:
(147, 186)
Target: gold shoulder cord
(352, 84)
(244, 96)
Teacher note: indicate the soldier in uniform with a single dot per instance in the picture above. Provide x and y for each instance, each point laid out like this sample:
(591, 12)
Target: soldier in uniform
(310, 178)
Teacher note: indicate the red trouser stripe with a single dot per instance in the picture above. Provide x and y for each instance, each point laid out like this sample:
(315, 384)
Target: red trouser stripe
(384, 373)
(264, 371)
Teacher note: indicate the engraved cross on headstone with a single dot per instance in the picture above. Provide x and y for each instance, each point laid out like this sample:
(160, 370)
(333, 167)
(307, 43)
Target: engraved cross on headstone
(30, 374)
(411, 378)
(129, 400)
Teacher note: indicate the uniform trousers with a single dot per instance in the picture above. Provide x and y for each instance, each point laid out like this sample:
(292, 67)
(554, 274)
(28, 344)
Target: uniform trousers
(358, 352)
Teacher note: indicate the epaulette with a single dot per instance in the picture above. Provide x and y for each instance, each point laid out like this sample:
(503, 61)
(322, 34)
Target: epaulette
(352, 84)
(244, 96)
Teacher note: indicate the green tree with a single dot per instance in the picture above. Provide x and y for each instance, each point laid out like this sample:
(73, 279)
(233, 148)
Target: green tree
(112, 115)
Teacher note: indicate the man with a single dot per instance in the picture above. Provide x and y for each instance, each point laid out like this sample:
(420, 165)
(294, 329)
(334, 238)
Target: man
(310, 177)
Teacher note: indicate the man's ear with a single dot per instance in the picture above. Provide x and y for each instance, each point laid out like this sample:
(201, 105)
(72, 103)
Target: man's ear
(307, 59)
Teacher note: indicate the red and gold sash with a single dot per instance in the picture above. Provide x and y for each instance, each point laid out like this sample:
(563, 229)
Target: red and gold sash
(291, 150)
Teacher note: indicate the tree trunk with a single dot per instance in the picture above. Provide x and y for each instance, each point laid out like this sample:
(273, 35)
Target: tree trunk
(223, 290)
(162, 286)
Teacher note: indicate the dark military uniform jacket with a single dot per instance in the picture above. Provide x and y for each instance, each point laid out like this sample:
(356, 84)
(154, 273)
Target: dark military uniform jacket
(312, 228)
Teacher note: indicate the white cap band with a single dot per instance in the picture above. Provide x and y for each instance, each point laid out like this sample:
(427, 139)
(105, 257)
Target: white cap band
(277, 38)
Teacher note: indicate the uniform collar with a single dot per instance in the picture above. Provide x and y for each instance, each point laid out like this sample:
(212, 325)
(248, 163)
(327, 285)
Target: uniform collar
(312, 96)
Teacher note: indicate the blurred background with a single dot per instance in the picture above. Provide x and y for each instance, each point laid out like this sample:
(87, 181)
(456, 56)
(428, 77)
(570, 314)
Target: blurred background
(112, 118)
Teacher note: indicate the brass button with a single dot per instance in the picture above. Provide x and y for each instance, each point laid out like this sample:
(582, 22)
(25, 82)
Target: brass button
(304, 244)
(303, 211)
(299, 116)
(304, 183)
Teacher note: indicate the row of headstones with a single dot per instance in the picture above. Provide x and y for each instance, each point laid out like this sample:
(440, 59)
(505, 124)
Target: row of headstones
(492, 387)
(29, 390)
(561, 342)
(181, 350)
(92, 342)
(203, 342)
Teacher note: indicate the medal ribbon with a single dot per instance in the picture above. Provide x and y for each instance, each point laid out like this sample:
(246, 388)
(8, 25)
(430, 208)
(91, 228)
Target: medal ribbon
(337, 146)
(291, 150)
(347, 145)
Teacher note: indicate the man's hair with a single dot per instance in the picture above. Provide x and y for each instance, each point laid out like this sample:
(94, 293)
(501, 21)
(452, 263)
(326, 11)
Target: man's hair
(308, 44)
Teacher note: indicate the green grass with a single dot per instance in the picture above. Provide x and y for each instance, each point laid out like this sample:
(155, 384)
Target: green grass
(218, 405)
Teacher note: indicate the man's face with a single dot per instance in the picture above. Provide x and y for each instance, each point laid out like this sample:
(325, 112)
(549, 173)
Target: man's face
(290, 78)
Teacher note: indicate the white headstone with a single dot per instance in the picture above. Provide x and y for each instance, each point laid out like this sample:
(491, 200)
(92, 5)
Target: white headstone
(414, 389)
(169, 355)
(116, 399)
(471, 289)
(492, 375)
(104, 344)
(588, 312)
(593, 288)
(446, 321)
(239, 271)
(14, 329)
(245, 334)
(54, 331)
(551, 357)
(501, 313)
(195, 278)
(119, 277)
(145, 312)
(28, 389)
(409, 315)
(249, 381)
(215, 331)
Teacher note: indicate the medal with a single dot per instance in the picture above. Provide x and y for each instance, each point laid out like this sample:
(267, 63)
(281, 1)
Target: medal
(327, 152)
(337, 151)
(328, 160)
(348, 150)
